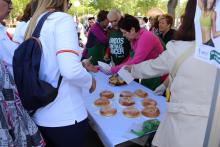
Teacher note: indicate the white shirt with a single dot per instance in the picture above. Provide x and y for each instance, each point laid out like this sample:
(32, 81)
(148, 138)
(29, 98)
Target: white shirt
(7, 48)
(60, 47)
(19, 32)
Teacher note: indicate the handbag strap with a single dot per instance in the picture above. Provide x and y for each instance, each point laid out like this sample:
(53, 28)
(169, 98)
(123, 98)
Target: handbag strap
(179, 61)
(175, 68)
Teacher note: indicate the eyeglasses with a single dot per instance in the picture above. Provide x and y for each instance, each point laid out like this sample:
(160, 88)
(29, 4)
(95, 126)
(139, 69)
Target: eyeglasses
(9, 2)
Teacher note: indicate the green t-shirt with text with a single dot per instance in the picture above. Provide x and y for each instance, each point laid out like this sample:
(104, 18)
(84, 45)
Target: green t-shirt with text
(119, 46)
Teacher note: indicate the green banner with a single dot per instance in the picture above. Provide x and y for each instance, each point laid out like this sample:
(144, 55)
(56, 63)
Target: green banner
(214, 55)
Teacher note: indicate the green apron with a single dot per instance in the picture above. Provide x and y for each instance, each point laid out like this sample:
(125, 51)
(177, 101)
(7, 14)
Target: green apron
(97, 52)
(151, 83)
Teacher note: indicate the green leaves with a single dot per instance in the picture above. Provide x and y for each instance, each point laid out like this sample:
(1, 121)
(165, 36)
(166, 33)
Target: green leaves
(18, 8)
(133, 7)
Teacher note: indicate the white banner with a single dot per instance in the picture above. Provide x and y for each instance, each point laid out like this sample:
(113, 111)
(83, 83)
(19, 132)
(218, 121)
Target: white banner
(207, 25)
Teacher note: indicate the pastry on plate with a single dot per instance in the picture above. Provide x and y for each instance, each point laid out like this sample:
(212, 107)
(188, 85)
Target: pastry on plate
(148, 101)
(108, 111)
(102, 101)
(126, 101)
(116, 81)
(126, 94)
(131, 112)
(106, 93)
(140, 93)
(151, 111)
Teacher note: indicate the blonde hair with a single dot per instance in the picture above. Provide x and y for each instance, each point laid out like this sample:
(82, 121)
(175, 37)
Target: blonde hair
(43, 6)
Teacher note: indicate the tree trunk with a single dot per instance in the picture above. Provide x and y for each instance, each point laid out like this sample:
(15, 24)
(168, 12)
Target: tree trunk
(171, 6)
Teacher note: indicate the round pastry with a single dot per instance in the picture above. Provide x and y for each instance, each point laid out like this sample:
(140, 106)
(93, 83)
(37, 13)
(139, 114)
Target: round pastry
(151, 111)
(148, 101)
(113, 77)
(107, 94)
(114, 80)
(126, 94)
(102, 102)
(120, 82)
(140, 93)
(126, 101)
(108, 111)
(131, 112)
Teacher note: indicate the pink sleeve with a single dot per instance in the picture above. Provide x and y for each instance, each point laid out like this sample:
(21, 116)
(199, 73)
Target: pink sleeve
(144, 47)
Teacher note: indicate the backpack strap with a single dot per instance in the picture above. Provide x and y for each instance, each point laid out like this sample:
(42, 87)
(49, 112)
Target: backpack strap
(36, 34)
(39, 26)
(59, 81)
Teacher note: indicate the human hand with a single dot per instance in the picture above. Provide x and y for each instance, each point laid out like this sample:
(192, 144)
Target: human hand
(106, 58)
(106, 71)
(105, 68)
(87, 61)
(160, 89)
(93, 87)
(128, 68)
(89, 66)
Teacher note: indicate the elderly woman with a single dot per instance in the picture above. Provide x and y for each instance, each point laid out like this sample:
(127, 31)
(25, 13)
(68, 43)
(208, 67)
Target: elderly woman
(145, 46)
(7, 47)
(16, 126)
(187, 111)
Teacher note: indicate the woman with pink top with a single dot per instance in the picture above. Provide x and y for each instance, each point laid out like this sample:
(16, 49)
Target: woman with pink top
(145, 46)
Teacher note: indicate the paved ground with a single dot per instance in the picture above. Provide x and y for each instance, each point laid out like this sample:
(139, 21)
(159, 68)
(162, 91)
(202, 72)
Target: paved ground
(94, 141)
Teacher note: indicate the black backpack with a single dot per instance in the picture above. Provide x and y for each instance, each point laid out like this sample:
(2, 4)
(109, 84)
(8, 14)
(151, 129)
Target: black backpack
(34, 92)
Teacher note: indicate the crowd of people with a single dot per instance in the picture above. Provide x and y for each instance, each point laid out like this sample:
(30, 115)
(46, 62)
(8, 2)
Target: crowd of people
(122, 41)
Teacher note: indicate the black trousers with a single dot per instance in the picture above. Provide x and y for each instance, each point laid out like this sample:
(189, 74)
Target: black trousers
(68, 136)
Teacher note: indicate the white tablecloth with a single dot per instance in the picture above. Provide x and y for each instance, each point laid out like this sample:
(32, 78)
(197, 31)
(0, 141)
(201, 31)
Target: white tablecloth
(116, 129)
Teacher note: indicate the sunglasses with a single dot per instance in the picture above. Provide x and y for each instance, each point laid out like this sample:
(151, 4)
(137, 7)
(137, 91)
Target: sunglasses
(9, 2)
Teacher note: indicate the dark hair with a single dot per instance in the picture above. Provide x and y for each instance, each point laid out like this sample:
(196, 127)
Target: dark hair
(102, 15)
(168, 18)
(145, 19)
(90, 18)
(186, 31)
(205, 4)
(127, 22)
(155, 22)
(29, 10)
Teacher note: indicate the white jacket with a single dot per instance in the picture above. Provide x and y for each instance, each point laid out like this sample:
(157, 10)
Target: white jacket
(186, 115)
(61, 54)
(7, 48)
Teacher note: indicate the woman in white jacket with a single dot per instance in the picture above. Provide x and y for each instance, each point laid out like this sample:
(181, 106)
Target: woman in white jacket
(186, 115)
(62, 122)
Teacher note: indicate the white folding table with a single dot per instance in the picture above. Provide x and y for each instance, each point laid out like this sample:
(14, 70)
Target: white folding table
(116, 129)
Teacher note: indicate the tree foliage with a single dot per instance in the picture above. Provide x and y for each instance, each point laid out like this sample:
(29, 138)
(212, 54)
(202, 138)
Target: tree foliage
(18, 7)
(133, 7)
